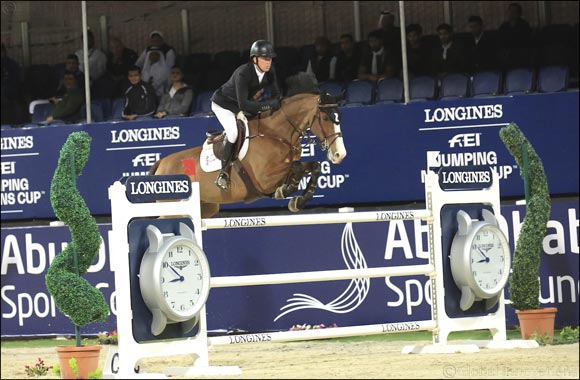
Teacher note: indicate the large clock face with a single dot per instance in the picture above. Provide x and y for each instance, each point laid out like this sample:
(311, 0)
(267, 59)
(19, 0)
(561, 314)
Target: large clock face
(489, 264)
(182, 278)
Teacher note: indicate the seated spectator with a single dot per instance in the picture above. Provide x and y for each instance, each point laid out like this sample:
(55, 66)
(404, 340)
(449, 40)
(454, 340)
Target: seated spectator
(71, 65)
(418, 54)
(377, 63)
(156, 72)
(388, 25)
(483, 47)
(178, 100)
(97, 59)
(515, 32)
(157, 42)
(69, 106)
(321, 60)
(449, 56)
(12, 95)
(140, 98)
(119, 59)
(347, 59)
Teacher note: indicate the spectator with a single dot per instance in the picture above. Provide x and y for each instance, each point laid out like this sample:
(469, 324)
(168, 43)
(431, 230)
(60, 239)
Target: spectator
(376, 63)
(347, 60)
(178, 100)
(156, 72)
(140, 98)
(71, 65)
(11, 90)
(119, 59)
(418, 54)
(68, 108)
(482, 46)
(388, 25)
(97, 59)
(320, 62)
(448, 57)
(156, 41)
(515, 32)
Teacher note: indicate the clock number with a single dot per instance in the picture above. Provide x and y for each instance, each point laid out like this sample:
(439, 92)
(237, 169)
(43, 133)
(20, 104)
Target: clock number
(166, 294)
(170, 254)
(196, 262)
(179, 249)
(165, 265)
(162, 279)
(197, 291)
(474, 273)
(199, 276)
(182, 307)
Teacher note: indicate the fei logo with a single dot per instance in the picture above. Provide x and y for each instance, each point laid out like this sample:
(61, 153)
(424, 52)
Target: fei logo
(465, 140)
(146, 159)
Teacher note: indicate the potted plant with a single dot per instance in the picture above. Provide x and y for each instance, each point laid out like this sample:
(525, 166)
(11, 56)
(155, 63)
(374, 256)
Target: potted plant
(74, 296)
(524, 280)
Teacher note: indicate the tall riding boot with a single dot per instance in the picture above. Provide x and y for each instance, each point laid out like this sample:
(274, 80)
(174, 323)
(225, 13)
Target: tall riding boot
(223, 179)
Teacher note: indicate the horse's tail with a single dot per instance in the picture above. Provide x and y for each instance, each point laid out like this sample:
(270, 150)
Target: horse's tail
(154, 167)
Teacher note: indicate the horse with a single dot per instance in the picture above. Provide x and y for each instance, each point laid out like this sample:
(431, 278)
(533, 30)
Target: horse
(271, 166)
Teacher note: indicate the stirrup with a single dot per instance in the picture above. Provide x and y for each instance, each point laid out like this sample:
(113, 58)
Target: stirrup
(223, 180)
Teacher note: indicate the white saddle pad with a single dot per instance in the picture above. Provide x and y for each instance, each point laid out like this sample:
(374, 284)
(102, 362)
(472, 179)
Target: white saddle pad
(210, 163)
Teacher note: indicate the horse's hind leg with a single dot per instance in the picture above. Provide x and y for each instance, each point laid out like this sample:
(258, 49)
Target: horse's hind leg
(297, 203)
(209, 209)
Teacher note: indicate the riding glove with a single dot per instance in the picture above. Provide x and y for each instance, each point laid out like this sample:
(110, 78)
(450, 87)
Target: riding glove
(270, 105)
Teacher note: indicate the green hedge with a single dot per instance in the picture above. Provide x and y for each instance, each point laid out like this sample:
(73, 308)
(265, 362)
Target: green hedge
(524, 281)
(74, 295)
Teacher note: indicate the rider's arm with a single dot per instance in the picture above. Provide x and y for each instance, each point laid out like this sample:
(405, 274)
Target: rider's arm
(245, 104)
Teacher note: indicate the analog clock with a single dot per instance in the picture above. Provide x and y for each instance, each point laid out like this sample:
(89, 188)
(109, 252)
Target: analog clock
(174, 278)
(480, 259)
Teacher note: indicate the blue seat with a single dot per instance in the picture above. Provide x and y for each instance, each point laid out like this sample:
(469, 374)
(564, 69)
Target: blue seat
(332, 88)
(106, 106)
(359, 92)
(41, 112)
(422, 88)
(486, 83)
(553, 78)
(389, 90)
(203, 102)
(117, 109)
(519, 81)
(97, 114)
(454, 86)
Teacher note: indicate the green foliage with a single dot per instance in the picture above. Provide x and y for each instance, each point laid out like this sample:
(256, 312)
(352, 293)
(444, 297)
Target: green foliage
(524, 281)
(74, 295)
(569, 334)
(72, 362)
(56, 370)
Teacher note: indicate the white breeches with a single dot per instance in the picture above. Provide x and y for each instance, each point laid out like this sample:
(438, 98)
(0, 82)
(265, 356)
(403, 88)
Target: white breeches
(228, 120)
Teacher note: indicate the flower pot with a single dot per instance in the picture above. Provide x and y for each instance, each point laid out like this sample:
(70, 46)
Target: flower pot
(541, 320)
(87, 358)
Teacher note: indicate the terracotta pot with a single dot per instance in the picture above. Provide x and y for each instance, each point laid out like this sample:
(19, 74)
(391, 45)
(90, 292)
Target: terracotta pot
(87, 358)
(541, 320)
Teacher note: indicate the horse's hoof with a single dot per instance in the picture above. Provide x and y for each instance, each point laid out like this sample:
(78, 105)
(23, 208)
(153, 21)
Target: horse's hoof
(296, 204)
(279, 194)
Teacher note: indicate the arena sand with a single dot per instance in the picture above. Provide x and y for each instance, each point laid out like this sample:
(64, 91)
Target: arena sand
(353, 360)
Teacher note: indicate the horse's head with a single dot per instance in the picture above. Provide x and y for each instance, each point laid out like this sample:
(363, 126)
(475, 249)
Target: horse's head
(326, 127)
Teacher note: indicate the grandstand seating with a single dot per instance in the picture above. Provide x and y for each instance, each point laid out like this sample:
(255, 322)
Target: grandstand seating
(486, 83)
(359, 92)
(97, 114)
(332, 88)
(41, 112)
(422, 88)
(519, 81)
(454, 86)
(117, 106)
(203, 102)
(553, 79)
(389, 90)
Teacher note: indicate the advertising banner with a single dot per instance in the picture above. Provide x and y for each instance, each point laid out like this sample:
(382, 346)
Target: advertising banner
(28, 309)
(385, 151)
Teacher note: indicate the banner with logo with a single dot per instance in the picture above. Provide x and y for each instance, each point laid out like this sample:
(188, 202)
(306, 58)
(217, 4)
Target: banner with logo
(28, 309)
(385, 144)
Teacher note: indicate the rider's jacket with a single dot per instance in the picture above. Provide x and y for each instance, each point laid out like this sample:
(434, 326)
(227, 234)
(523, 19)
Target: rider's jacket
(237, 93)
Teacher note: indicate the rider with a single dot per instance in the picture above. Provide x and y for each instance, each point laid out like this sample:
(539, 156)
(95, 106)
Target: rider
(242, 93)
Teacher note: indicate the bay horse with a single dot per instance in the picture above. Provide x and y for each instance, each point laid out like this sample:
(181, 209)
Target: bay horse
(271, 166)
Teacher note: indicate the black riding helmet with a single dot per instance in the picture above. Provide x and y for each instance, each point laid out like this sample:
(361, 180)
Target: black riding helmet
(262, 48)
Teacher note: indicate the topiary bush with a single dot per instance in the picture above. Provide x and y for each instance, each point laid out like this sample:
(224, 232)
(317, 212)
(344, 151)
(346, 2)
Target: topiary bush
(74, 295)
(524, 281)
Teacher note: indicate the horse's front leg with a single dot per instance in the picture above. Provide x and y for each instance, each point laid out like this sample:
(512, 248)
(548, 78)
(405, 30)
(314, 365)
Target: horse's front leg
(297, 203)
(297, 171)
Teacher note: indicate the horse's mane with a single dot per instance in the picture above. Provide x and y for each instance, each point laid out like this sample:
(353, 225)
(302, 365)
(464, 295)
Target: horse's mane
(302, 83)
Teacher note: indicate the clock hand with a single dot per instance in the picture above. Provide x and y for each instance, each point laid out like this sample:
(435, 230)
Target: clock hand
(181, 278)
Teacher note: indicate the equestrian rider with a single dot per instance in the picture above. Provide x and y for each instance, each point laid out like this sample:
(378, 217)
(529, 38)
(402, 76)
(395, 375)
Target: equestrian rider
(242, 93)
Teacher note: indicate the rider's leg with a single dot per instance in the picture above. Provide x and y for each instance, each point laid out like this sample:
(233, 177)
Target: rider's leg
(228, 121)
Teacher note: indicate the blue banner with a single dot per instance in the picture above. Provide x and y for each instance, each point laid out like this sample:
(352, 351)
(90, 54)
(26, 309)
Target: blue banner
(28, 309)
(386, 146)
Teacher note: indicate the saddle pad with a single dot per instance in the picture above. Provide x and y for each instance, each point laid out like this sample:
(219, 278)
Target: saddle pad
(210, 163)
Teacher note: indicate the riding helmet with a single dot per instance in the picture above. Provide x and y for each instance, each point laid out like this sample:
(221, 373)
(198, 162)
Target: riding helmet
(262, 48)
